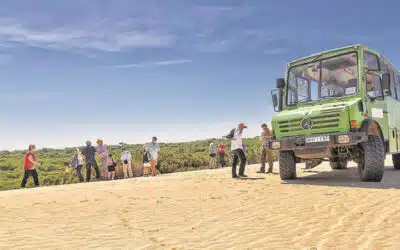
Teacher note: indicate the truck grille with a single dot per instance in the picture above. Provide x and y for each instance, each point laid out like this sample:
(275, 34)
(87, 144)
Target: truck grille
(328, 120)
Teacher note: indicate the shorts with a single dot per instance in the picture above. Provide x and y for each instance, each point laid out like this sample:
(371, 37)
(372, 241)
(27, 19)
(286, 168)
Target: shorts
(111, 168)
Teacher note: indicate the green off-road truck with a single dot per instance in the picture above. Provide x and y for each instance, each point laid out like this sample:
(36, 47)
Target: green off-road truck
(339, 105)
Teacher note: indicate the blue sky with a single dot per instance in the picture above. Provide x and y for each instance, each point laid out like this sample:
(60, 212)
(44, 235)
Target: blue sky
(127, 70)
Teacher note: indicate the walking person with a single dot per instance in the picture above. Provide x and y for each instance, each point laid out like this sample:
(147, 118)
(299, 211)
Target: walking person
(237, 151)
(88, 154)
(30, 164)
(102, 152)
(266, 154)
(213, 153)
(153, 150)
(110, 167)
(126, 159)
(77, 164)
(221, 151)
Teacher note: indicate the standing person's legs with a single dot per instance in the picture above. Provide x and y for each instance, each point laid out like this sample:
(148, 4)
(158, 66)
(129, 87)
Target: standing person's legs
(25, 178)
(104, 166)
(263, 156)
(223, 163)
(88, 171)
(125, 170)
(212, 162)
(234, 163)
(96, 169)
(35, 177)
(79, 172)
(243, 160)
(270, 161)
(130, 173)
(153, 167)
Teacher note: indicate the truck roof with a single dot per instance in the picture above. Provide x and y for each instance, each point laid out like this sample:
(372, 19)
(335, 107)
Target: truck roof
(355, 46)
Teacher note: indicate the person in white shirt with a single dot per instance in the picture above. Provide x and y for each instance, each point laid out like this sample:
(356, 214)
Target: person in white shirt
(126, 158)
(213, 153)
(237, 151)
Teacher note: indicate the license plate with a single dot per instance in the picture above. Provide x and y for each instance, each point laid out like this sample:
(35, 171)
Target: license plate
(313, 139)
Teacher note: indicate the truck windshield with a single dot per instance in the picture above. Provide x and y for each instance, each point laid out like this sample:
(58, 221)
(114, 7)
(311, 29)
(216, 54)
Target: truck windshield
(333, 77)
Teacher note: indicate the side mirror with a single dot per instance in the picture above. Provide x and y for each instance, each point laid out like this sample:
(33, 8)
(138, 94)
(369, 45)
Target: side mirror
(280, 83)
(275, 100)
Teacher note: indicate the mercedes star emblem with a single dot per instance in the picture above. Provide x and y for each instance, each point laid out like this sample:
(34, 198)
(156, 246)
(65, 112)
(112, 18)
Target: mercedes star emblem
(306, 123)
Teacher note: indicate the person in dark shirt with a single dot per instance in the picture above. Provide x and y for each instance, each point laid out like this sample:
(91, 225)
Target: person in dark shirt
(89, 154)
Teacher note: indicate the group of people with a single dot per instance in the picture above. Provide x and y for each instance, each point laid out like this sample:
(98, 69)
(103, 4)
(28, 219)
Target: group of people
(87, 158)
(238, 149)
(150, 157)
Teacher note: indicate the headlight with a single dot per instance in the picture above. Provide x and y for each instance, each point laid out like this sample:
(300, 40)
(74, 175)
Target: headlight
(343, 139)
(275, 145)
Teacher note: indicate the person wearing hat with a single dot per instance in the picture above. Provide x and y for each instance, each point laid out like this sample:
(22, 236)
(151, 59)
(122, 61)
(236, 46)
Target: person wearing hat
(153, 150)
(213, 153)
(102, 152)
(266, 154)
(237, 151)
(88, 154)
(30, 164)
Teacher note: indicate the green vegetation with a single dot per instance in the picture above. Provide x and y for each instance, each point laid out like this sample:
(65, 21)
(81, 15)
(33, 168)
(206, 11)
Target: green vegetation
(175, 157)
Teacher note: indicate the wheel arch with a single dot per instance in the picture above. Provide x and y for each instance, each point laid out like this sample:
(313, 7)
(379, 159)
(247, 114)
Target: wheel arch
(372, 127)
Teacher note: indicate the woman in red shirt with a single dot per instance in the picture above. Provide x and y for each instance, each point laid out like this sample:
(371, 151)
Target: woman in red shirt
(30, 164)
(221, 151)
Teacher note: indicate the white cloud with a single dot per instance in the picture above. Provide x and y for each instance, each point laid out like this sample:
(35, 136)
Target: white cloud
(151, 64)
(200, 28)
(107, 38)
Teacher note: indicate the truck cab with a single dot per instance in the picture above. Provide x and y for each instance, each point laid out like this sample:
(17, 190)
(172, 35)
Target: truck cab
(333, 106)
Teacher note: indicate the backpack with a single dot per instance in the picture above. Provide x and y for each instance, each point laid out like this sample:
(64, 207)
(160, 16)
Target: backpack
(145, 157)
(231, 134)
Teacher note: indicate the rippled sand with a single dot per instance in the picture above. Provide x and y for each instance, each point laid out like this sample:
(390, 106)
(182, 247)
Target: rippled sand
(323, 209)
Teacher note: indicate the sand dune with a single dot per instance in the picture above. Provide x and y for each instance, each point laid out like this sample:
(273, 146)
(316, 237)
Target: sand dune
(323, 209)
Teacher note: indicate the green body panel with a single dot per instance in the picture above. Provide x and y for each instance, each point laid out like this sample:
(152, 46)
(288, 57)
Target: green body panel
(334, 115)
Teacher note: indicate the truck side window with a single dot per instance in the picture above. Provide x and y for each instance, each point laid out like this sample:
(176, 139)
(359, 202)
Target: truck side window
(372, 81)
(371, 61)
(393, 84)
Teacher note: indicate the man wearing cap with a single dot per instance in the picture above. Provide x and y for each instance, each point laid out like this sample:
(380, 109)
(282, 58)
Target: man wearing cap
(88, 154)
(213, 153)
(237, 151)
(153, 150)
(266, 136)
(102, 152)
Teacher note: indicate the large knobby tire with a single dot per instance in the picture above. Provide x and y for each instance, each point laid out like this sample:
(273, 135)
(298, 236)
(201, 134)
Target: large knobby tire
(339, 164)
(287, 165)
(372, 165)
(396, 161)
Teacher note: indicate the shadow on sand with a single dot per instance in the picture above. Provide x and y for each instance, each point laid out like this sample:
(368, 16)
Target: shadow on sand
(250, 178)
(348, 178)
